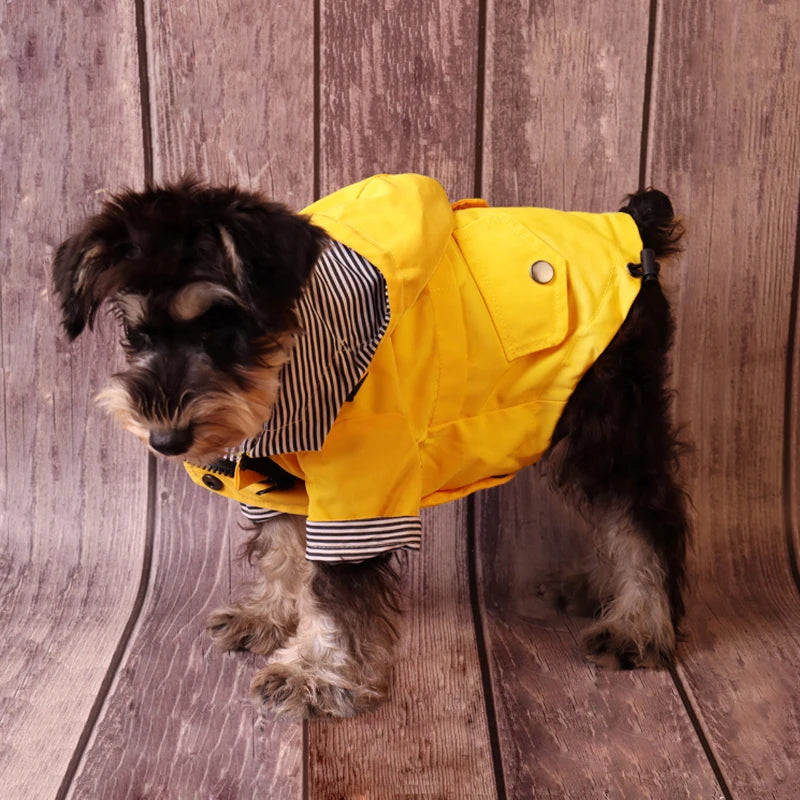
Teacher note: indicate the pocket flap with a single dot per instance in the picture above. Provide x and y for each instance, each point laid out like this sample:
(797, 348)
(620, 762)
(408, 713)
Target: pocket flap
(523, 282)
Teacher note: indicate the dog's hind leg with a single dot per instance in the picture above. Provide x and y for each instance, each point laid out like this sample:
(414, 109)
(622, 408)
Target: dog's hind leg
(615, 454)
(635, 626)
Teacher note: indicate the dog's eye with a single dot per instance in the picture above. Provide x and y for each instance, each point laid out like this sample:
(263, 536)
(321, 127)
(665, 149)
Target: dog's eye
(222, 342)
(136, 340)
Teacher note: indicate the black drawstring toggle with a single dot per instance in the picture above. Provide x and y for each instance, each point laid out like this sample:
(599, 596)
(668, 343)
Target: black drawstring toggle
(649, 268)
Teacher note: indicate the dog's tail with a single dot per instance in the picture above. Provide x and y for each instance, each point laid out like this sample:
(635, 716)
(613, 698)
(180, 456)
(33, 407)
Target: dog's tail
(658, 226)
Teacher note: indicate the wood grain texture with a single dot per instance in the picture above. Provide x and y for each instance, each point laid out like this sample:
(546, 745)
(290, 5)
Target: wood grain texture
(232, 99)
(398, 88)
(72, 491)
(233, 94)
(725, 144)
(564, 97)
(179, 721)
(573, 731)
(567, 728)
(792, 489)
(398, 94)
(563, 128)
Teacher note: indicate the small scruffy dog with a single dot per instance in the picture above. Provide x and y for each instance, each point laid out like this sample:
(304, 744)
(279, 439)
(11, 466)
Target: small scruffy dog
(337, 370)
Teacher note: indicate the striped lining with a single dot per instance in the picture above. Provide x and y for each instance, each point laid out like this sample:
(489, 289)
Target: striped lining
(258, 514)
(343, 314)
(359, 539)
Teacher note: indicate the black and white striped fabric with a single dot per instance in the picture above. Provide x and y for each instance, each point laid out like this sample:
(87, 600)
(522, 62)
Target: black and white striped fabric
(351, 540)
(343, 315)
(258, 514)
(357, 540)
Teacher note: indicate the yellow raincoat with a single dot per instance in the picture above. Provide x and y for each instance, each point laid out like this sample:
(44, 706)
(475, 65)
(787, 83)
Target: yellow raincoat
(482, 350)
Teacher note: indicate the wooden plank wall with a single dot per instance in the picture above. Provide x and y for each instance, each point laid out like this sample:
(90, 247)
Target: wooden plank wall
(735, 70)
(74, 492)
(110, 562)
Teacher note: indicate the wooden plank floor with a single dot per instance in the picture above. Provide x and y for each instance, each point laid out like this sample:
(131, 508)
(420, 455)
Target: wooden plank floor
(110, 562)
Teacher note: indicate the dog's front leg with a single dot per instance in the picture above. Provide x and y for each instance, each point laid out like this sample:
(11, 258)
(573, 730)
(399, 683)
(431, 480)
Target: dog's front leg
(267, 618)
(338, 663)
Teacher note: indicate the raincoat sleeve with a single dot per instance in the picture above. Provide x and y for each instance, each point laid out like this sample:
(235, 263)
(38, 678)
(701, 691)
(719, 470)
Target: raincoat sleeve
(364, 490)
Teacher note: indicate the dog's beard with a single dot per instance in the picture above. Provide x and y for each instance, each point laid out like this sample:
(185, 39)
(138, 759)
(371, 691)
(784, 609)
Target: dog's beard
(221, 417)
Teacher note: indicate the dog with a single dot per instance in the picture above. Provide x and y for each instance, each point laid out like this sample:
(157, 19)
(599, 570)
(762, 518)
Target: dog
(337, 369)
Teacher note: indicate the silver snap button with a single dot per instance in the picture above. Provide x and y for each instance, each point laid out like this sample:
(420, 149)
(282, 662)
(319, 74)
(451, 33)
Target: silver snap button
(542, 271)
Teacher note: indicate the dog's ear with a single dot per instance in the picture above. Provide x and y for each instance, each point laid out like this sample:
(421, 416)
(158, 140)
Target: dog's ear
(84, 274)
(73, 266)
(272, 251)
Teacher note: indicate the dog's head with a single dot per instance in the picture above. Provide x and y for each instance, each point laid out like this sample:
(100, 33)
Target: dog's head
(203, 281)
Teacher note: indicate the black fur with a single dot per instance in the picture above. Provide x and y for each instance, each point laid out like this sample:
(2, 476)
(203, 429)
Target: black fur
(654, 216)
(617, 444)
(174, 232)
(362, 596)
(153, 243)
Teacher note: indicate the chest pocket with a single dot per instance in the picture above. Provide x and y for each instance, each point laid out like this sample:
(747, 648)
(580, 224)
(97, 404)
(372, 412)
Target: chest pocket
(522, 280)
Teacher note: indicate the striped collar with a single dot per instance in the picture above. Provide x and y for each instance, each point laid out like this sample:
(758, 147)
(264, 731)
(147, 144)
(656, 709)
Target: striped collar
(343, 314)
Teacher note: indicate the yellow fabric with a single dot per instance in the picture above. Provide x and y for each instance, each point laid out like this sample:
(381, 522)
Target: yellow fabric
(478, 361)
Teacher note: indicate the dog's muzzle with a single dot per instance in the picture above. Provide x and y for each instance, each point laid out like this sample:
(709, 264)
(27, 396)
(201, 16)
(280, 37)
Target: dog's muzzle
(171, 442)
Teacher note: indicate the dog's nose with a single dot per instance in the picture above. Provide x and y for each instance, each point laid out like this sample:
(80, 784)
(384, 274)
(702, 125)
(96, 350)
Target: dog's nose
(171, 442)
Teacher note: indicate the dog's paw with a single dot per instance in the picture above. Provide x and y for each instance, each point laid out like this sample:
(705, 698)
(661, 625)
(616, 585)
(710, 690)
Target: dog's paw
(292, 691)
(234, 628)
(611, 648)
